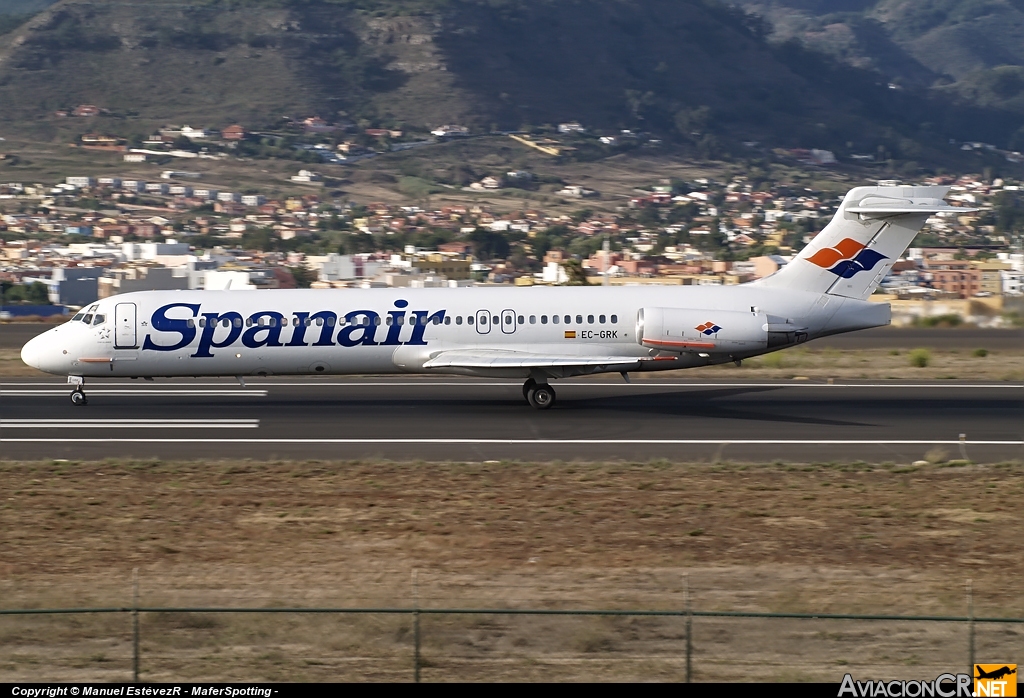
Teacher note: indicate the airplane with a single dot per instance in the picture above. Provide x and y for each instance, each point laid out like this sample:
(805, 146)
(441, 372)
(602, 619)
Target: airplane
(537, 334)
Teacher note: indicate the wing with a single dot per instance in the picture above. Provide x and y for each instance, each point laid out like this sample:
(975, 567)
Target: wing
(493, 358)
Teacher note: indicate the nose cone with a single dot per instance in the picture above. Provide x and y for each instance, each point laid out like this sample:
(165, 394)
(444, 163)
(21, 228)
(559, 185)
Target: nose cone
(38, 352)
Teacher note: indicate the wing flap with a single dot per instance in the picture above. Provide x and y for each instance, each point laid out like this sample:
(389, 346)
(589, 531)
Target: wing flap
(490, 358)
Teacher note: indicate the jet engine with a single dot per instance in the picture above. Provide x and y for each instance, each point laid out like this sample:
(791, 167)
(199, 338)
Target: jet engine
(714, 331)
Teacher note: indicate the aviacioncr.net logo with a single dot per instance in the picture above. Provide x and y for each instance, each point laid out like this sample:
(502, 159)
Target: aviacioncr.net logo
(942, 686)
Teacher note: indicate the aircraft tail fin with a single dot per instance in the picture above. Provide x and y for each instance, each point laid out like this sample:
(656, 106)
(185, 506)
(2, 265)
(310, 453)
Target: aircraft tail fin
(868, 233)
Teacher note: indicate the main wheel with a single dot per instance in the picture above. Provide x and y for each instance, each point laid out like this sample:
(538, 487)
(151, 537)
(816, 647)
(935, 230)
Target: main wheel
(527, 387)
(542, 396)
(78, 398)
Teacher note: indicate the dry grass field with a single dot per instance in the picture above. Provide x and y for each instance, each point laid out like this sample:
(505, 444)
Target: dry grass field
(839, 538)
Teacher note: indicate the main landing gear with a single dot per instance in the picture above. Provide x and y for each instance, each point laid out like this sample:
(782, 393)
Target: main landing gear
(540, 395)
(78, 398)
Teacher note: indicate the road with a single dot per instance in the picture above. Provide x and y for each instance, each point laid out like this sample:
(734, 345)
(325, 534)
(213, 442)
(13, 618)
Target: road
(476, 420)
(16, 334)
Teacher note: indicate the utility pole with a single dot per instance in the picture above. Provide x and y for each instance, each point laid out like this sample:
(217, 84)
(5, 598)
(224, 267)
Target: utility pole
(604, 262)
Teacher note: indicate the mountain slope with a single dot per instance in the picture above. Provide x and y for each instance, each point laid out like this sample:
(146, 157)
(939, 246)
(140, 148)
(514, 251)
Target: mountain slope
(685, 69)
(960, 45)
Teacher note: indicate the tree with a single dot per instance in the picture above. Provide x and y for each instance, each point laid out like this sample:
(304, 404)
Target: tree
(574, 272)
(304, 276)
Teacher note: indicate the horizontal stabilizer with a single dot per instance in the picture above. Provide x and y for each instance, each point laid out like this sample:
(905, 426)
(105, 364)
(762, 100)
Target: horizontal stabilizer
(488, 358)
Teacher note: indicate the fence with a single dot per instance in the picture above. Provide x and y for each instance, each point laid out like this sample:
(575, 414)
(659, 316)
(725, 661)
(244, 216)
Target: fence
(679, 653)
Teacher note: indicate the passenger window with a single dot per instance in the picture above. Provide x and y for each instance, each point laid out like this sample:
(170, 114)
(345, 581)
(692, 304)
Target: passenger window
(100, 318)
(458, 320)
(533, 319)
(579, 319)
(376, 321)
(601, 319)
(554, 319)
(226, 322)
(495, 320)
(202, 322)
(87, 319)
(615, 318)
(543, 319)
(248, 322)
(568, 319)
(521, 320)
(190, 322)
(238, 322)
(319, 322)
(389, 320)
(437, 320)
(469, 319)
(590, 319)
(330, 322)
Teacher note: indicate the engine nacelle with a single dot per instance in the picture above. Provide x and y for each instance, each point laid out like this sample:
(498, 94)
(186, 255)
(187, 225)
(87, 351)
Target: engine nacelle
(704, 331)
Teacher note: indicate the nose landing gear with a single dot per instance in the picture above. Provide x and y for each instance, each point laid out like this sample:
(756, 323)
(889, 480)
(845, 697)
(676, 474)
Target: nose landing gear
(78, 398)
(541, 396)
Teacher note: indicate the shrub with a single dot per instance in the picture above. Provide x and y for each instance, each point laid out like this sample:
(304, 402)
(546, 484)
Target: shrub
(981, 352)
(919, 358)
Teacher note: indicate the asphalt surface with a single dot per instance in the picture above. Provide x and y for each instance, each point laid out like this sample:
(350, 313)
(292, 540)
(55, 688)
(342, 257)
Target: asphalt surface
(15, 335)
(476, 420)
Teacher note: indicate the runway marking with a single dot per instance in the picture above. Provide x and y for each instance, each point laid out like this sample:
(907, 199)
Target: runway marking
(138, 392)
(513, 384)
(129, 424)
(554, 442)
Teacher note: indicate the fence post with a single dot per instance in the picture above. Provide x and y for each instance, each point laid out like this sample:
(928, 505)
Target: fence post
(689, 625)
(416, 625)
(970, 625)
(135, 625)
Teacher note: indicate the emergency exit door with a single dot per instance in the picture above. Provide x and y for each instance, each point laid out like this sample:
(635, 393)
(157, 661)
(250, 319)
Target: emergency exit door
(124, 326)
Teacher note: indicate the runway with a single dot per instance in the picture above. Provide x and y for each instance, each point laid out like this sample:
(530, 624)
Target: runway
(412, 418)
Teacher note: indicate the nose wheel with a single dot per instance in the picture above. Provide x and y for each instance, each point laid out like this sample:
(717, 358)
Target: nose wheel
(541, 396)
(78, 398)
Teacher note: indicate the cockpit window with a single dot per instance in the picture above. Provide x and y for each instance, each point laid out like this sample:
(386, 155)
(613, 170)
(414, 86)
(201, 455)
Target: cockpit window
(87, 319)
(99, 320)
(78, 317)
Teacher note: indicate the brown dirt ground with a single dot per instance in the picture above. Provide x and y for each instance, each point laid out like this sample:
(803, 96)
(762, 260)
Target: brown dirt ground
(816, 537)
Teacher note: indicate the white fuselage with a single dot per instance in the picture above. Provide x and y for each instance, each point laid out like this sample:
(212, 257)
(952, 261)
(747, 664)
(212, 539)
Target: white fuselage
(352, 331)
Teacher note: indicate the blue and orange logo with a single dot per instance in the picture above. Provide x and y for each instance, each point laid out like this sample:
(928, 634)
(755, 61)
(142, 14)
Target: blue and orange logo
(847, 259)
(708, 328)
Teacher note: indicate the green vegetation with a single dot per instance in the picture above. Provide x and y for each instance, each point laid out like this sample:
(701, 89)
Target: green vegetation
(919, 358)
(945, 320)
(30, 294)
(981, 353)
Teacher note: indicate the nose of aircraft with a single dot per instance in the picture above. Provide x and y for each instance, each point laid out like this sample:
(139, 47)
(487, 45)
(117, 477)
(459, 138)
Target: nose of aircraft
(35, 350)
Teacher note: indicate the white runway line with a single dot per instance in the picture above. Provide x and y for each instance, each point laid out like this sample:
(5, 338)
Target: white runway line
(558, 384)
(554, 442)
(129, 423)
(138, 392)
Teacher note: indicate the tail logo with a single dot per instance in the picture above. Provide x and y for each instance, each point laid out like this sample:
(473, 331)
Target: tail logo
(708, 328)
(847, 259)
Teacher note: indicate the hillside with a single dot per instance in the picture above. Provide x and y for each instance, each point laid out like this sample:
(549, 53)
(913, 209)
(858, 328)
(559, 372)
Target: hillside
(695, 71)
(971, 48)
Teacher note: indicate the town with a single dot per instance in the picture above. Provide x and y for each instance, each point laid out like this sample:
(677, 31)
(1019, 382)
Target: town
(67, 243)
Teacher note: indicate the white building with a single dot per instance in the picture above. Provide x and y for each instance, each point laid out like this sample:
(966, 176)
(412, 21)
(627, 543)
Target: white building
(80, 182)
(227, 280)
(305, 176)
(253, 200)
(1013, 282)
